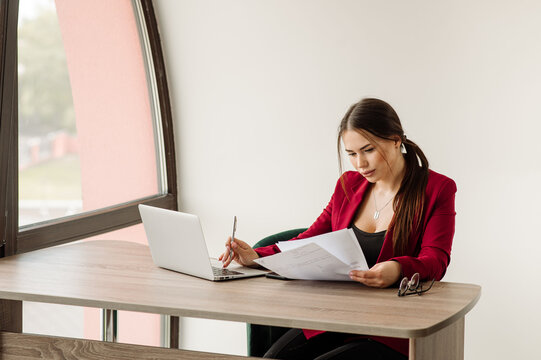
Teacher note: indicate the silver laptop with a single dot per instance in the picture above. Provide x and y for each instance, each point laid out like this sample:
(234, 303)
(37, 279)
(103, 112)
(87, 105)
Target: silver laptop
(177, 243)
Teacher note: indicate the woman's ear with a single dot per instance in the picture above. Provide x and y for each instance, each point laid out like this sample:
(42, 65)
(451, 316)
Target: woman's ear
(397, 141)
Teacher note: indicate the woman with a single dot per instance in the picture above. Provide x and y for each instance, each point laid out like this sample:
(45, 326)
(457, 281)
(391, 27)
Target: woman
(401, 212)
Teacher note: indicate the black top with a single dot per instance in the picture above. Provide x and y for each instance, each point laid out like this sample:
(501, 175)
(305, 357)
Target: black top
(371, 244)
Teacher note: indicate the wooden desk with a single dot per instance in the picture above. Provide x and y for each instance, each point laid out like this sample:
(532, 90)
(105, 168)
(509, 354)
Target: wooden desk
(121, 275)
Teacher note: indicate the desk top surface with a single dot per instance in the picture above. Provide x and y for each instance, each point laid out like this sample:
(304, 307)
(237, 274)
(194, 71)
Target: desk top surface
(121, 275)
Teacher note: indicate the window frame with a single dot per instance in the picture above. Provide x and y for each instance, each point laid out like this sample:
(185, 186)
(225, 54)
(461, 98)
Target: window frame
(68, 229)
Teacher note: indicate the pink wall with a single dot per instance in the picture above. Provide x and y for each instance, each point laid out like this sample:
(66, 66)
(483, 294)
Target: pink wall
(111, 101)
(114, 126)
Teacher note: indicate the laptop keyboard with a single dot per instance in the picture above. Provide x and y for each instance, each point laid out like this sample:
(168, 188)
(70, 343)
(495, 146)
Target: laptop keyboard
(221, 271)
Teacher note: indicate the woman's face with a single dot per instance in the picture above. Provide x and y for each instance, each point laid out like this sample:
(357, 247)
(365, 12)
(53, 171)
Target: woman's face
(368, 160)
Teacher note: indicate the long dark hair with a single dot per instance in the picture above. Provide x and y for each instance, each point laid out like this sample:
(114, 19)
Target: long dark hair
(376, 118)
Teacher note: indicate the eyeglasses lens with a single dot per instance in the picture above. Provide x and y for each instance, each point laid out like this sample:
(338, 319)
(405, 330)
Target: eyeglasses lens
(414, 282)
(403, 286)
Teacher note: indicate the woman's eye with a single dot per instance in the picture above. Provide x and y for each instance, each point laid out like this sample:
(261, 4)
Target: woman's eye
(351, 154)
(369, 150)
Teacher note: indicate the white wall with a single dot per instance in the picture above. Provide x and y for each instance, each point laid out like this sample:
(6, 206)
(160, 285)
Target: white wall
(259, 87)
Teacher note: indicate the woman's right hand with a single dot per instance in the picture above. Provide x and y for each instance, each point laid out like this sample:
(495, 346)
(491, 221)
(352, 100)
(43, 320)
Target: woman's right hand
(242, 253)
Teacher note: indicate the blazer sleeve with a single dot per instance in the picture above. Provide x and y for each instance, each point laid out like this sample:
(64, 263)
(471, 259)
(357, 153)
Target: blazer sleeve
(435, 248)
(322, 225)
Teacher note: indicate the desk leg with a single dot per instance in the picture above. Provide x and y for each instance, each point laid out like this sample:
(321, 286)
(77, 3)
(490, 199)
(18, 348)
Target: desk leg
(11, 315)
(109, 325)
(446, 344)
(170, 331)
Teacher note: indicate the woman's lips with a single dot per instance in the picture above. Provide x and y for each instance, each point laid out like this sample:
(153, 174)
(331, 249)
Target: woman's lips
(368, 173)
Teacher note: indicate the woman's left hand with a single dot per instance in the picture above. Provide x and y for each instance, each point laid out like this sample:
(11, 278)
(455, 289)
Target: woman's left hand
(381, 275)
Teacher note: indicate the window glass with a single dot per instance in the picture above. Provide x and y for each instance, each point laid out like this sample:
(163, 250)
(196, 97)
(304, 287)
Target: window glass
(49, 164)
(86, 130)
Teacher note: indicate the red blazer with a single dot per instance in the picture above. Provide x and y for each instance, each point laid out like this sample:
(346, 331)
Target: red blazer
(429, 250)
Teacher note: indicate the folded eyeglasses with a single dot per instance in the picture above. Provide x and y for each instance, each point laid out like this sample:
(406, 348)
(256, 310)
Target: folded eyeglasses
(413, 286)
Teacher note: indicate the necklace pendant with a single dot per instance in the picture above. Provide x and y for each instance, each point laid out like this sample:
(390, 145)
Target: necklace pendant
(376, 215)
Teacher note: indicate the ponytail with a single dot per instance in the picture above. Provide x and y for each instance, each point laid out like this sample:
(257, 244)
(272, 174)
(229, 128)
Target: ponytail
(409, 201)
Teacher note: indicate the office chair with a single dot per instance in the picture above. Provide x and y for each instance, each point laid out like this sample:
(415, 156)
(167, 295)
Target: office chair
(261, 337)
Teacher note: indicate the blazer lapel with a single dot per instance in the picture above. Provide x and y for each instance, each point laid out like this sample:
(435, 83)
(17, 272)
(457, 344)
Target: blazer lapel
(351, 206)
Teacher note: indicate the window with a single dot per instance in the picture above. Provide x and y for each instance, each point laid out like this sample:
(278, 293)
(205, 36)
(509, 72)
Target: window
(85, 126)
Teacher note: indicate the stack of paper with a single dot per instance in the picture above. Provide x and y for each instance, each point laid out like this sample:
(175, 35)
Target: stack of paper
(328, 256)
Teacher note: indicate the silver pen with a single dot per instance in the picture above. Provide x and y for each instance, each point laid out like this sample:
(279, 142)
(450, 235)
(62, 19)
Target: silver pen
(232, 238)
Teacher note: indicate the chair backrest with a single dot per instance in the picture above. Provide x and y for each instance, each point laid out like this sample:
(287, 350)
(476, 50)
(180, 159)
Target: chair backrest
(281, 236)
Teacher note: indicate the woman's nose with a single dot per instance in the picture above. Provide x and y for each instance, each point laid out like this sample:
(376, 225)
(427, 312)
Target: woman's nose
(361, 162)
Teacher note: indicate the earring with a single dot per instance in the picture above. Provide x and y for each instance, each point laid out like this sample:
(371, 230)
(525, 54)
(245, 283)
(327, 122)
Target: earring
(403, 149)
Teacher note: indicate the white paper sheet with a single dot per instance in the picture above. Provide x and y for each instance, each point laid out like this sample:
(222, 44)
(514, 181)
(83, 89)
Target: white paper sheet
(307, 262)
(324, 257)
(342, 243)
